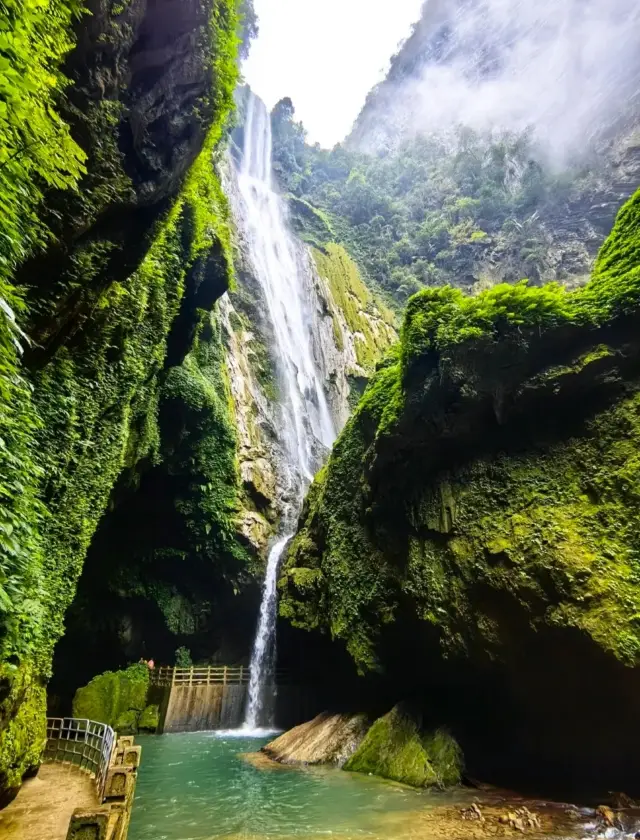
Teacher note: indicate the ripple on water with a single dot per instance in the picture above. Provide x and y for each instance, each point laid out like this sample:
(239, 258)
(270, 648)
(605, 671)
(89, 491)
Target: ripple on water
(197, 786)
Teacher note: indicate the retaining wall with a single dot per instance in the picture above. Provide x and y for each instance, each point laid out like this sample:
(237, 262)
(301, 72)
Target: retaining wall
(197, 701)
(110, 821)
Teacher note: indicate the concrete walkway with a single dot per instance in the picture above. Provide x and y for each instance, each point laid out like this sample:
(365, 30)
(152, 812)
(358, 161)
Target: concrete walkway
(44, 805)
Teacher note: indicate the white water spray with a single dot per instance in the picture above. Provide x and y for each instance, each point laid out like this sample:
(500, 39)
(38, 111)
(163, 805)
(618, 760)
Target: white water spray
(304, 419)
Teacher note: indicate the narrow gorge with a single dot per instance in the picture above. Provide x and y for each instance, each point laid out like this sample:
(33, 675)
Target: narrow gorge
(335, 436)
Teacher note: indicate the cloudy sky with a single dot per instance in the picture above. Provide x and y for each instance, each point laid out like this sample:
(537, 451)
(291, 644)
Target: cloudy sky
(326, 55)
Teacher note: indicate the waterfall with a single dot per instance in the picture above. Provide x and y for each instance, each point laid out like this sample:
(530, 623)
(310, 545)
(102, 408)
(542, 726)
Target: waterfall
(305, 427)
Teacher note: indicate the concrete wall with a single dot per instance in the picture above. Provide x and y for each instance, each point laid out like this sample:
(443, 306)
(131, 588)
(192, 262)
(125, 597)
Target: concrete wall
(197, 708)
(110, 821)
(200, 707)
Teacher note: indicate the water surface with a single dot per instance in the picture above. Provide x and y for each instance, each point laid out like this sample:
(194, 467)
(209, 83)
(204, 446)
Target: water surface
(197, 786)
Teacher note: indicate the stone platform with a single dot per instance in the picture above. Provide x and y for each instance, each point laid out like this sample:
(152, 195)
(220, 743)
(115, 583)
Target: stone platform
(44, 805)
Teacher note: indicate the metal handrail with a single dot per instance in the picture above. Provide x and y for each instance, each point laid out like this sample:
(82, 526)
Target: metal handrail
(208, 675)
(84, 743)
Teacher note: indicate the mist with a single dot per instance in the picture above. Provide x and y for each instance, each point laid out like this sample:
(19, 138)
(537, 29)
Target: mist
(569, 70)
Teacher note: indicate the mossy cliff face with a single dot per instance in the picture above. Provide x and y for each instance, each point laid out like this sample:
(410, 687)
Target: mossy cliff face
(480, 510)
(169, 559)
(362, 326)
(111, 303)
(148, 82)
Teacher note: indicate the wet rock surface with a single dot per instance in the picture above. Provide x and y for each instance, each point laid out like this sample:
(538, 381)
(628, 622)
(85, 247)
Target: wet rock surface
(327, 739)
(140, 104)
(253, 371)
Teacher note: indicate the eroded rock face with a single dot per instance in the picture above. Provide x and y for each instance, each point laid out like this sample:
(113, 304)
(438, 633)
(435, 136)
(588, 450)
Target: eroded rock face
(481, 504)
(345, 346)
(140, 104)
(327, 739)
(152, 57)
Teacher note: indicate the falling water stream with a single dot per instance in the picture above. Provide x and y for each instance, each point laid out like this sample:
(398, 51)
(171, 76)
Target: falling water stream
(198, 785)
(305, 426)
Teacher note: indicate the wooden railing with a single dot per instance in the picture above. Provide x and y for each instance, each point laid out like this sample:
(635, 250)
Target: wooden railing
(210, 675)
(85, 743)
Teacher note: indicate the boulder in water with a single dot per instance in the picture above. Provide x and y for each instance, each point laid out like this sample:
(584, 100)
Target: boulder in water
(327, 739)
(397, 749)
(149, 720)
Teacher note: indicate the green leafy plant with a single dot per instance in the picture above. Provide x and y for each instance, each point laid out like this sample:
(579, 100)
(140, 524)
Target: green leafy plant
(183, 657)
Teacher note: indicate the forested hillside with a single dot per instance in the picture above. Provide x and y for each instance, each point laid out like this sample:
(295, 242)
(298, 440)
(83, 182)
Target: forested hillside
(466, 210)
(513, 183)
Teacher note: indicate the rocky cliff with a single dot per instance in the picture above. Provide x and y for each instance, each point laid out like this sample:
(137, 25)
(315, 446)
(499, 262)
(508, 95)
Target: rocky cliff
(501, 145)
(490, 65)
(473, 536)
(177, 558)
(350, 330)
(115, 289)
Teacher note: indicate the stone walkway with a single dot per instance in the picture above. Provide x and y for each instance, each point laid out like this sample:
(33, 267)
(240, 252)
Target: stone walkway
(43, 808)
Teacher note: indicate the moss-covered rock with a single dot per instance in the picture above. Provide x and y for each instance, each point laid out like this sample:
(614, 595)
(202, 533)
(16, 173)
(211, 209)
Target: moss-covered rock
(481, 504)
(127, 723)
(312, 225)
(357, 315)
(119, 699)
(115, 697)
(23, 715)
(113, 298)
(394, 748)
(149, 720)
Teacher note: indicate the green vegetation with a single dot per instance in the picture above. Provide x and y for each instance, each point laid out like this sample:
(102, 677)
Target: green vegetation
(452, 324)
(23, 718)
(36, 148)
(119, 699)
(89, 408)
(556, 527)
(311, 225)
(183, 657)
(99, 403)
(395, 749)
(197, 394)
(248, 26)
(149, 720)
(441, 492)
(36, 152)
(369, 321)
(470, 211)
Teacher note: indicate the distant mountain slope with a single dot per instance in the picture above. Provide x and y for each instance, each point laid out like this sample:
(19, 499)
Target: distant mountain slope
(569, 68)
(500, 146)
